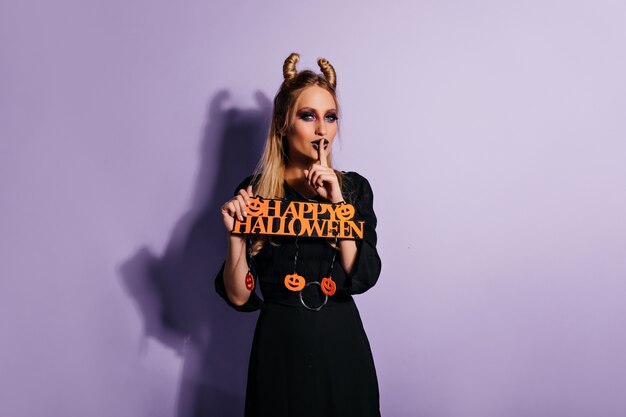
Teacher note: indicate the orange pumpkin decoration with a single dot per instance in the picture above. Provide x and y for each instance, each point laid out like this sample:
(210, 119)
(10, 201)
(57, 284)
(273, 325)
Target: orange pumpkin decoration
(344, 212)
(328, 286)
(249, 281)
(294, 282)
(257, 206)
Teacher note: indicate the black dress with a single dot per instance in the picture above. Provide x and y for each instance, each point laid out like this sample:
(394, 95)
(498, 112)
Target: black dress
(305, 362)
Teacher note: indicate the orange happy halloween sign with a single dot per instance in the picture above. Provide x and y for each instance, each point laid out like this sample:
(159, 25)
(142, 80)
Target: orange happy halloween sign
(299, 218)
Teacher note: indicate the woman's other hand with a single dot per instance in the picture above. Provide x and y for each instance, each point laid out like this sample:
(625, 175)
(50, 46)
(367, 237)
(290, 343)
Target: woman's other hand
(236, 207)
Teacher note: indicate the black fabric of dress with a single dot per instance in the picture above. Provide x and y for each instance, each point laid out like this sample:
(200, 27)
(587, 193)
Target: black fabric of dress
(312, 363)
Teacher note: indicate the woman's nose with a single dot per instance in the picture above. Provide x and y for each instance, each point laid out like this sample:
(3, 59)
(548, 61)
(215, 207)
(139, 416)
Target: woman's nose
(320, 128)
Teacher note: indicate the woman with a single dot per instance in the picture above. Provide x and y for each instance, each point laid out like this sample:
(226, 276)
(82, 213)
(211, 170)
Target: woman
(310, 355)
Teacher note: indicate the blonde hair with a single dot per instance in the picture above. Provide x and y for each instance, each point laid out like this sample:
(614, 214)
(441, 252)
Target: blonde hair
(269, 175)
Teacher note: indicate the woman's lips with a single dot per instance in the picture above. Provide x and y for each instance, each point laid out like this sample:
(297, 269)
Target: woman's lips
(316, 143)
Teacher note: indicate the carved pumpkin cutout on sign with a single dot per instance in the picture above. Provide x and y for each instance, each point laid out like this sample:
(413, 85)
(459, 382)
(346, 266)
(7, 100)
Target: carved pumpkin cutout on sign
(294, 282)
(344, 212)
(257, 207)
(328, 286)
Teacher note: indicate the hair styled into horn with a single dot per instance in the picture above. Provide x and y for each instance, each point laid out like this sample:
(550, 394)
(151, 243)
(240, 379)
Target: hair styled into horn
(289, 67)
(328, 71)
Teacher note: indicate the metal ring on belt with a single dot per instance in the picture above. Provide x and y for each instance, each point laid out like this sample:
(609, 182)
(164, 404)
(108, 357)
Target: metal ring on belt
(302, 300)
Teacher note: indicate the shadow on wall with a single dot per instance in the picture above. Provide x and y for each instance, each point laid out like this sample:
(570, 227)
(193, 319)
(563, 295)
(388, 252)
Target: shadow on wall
(175, 292)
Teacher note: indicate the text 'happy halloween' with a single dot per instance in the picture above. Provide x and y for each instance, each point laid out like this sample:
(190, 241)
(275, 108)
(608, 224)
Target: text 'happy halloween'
(299, 218)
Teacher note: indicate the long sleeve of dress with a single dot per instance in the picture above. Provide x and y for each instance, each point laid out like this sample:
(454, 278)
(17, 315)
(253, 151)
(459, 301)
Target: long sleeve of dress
(367, 267)
(254, 302)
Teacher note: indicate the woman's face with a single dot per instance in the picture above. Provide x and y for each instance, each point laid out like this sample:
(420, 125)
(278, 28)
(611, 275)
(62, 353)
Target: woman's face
(315, 119)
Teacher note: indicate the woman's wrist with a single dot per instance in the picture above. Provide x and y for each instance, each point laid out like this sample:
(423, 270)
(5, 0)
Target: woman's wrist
(336, 199)
(236, 239)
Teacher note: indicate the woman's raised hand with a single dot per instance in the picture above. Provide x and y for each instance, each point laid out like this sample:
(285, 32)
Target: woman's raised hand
(236, 207)
(322, 178)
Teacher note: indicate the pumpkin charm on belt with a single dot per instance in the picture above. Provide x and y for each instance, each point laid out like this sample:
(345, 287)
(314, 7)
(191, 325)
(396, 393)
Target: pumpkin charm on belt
(294, 282)
(249, 277)
(249, 281)
(329, 287)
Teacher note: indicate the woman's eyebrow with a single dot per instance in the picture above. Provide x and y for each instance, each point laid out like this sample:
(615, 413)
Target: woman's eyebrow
(315, 110)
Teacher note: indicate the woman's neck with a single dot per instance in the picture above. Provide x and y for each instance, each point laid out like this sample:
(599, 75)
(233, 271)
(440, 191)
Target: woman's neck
(294, 172)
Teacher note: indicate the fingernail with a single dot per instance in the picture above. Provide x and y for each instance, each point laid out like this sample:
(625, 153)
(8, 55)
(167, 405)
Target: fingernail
(245, 213)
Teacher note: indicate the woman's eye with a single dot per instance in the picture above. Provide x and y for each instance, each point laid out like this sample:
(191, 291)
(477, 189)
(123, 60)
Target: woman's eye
(307, 116)
(332, 118)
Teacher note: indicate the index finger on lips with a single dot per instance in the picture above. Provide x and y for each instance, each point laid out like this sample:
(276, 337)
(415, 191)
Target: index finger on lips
(321, 152)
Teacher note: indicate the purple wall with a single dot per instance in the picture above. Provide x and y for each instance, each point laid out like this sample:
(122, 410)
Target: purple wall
(494, 136)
